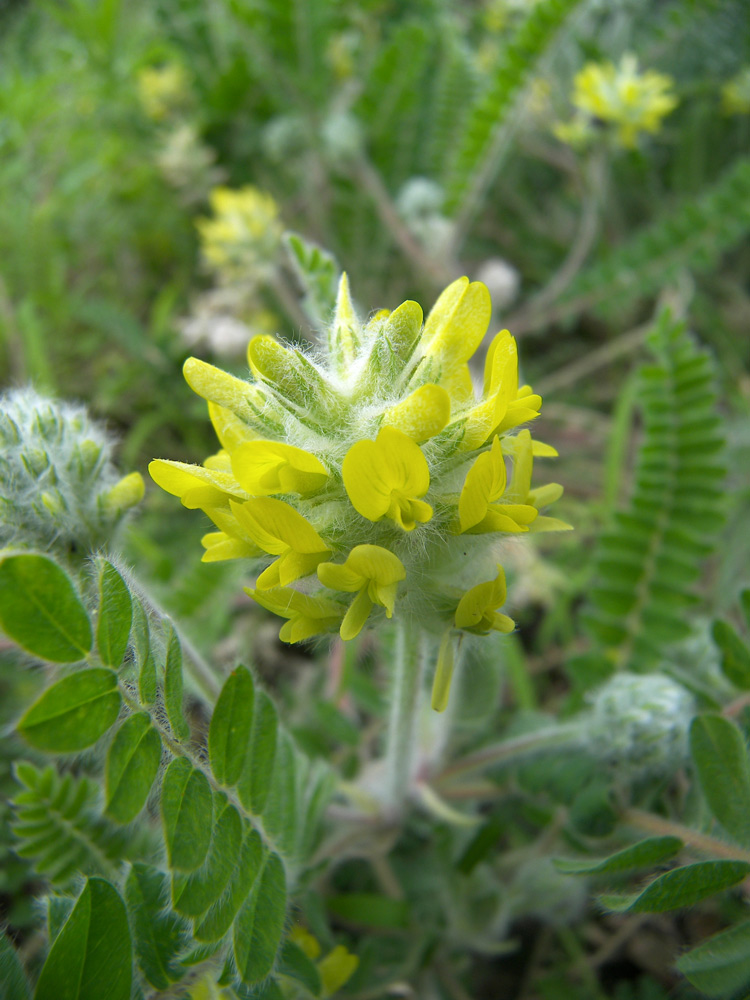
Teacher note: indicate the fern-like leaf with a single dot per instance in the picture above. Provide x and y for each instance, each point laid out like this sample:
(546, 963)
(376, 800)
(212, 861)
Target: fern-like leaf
(649, 558)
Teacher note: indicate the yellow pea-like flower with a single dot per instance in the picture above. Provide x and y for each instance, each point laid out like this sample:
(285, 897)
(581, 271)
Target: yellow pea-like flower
(421, 415)
(328, 458)
(385, 478)
(485, 484)
(195, 485)
(266, 467)
(308, 616)
(477, 609)
(277, 528)
(371, 571)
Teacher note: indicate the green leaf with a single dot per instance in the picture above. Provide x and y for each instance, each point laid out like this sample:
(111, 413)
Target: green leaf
(721, 760)
(115, 616)
(73, 713)
(680, 888)
(132, 765)
(231, 725)
(187, 811)
(159, 933)
(92, 956)
(41, 611)
(12, 976)
(649, 852)
(219, 918)
(735, 655)
(260, 923)
(720, 966)
(255, 780)
(194, 893)
(173, 684)
(370, 910)
(144, 658)
(293, 962)
(280, 814)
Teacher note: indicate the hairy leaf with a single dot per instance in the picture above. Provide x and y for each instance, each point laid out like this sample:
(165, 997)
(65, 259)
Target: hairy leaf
(159, 933)
(231, 726)
(219, 918)
(187, 808)
(649, 852)
(682, 887)
(92, 956)
(720, 966)
(194, 893)
(721, 759)
(41, 611)
(293, 962)
(12, 976)
(115, 616)
(255, 780)
(260, 922)
(144, 658)
(73, 713)
(173, 684)
(132, 765)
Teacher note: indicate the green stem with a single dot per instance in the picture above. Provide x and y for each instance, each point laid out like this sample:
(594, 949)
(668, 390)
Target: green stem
(402, 720)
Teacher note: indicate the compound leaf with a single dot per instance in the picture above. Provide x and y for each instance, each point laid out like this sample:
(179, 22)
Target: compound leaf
(187, 810)
(115, 616)
(132, 766)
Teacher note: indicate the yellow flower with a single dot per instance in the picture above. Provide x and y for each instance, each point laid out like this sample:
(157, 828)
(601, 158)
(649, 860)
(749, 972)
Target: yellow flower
(278, 529)
(240, 241)
(735, 94)
(631, 100)
(163, 90)
(328, 460)
(477, 609)
(485, 482)
(266, 467)
(371, 571)
(308, 616)
(384, 477)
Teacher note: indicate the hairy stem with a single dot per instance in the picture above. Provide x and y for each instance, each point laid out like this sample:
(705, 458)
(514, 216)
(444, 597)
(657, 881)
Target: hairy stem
(402, 721)
(649, 823)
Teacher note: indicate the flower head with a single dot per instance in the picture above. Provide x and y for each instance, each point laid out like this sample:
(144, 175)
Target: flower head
(241, 240)
(735, 94)
(372, 468)
(622, 96)
(164, 91)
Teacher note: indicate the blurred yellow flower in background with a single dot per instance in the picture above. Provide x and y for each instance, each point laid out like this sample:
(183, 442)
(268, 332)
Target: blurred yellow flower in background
(241, 239)
(735, 94)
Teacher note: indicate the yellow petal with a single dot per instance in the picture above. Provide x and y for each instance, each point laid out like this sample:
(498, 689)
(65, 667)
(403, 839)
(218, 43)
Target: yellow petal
(223, 389)
(340, 577)
(220, 462)
(501, 364)
(422, 415)
(458, 321)
(477, 608)
(336, 969)
(266, 467)
(377, 474)
(179, 479)
(543, 496)
(408, 513)
(544, 523)
(220, 546)
(523, 465)
(356, 616)
(441, 685)
(276, 526)
(485, 483)
(373, 562)
(230, 430)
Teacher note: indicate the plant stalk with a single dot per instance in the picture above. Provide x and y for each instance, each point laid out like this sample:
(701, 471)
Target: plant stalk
(402, 721)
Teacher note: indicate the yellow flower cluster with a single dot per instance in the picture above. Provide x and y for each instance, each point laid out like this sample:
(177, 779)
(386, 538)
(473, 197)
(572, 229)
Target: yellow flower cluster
(164, 91)
(371, 480)
(622, 96)
(241, 240)
(735, 94)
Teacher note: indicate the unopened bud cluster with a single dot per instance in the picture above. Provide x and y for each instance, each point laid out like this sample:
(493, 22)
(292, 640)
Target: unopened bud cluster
(58, 486)
(367, 480)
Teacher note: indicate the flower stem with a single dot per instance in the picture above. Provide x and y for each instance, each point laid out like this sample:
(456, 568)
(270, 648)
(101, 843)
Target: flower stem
(402, 720)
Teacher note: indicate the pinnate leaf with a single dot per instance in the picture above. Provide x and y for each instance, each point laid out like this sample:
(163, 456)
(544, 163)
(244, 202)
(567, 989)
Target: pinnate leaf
(41, 611)
(219, 918)
(115, 616)
(721, 760)
(132, 766)
(73, 713)
(255, 780)
(260, 922)
(679, 888)
(92, 955)
(187, 811)
(159, 933)
(193, 894)
(231, 726)
(642, 855)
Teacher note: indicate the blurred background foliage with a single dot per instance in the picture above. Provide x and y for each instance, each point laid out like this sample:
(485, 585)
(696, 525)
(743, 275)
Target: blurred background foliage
(414, 142)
